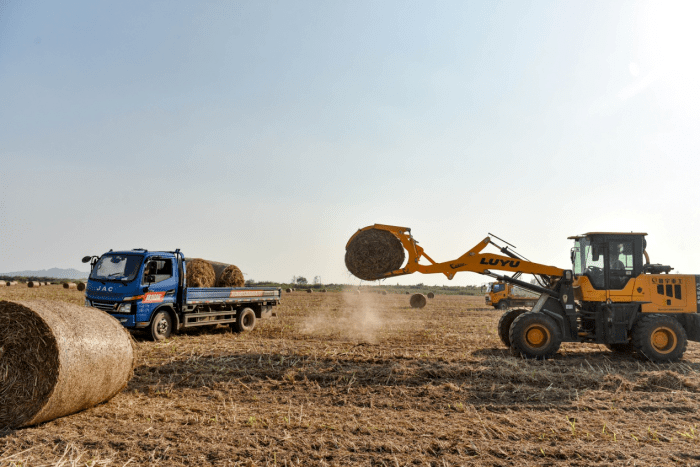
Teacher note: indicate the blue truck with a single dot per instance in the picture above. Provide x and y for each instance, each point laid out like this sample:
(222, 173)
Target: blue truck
(148, 290)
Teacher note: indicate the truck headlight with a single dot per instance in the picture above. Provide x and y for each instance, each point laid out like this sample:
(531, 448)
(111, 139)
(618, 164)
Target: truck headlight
(87, 302)
(124, 308)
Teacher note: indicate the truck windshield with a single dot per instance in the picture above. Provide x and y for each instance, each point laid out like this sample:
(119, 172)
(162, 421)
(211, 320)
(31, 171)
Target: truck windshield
(117, 267)
(498, 288)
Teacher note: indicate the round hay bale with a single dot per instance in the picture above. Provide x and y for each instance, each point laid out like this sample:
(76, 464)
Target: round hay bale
(407, 292)
(309, 291)
(383, 292)
(324, 291)
(373, 253)
(3, 284)
(70, 285)
(58, 358)
(80, 286)
(12, 283)
(431, 295)
(418, 300)
(200, 273)
(33, 284)
(231, 276)
(288, 290)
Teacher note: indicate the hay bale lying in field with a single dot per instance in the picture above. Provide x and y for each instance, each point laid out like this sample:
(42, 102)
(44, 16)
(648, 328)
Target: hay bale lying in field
(431, 295)
(418, 300)
(288, 290)
(383, 292)
(58, 358)
(70, 285)
(231, 276)
(80, 286)
(309, 291)
(33, 284)
(373, 253)
(200, 273)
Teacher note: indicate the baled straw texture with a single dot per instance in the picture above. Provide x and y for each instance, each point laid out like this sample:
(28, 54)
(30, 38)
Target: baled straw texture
(200, 273)
(70, 285)
(418, 300)
(33, 284)
(431, 295)
(231, 276)
(373, 253)
(3, 284)
(58, 358)
(383, 292)
(288, 290)
(80, 286)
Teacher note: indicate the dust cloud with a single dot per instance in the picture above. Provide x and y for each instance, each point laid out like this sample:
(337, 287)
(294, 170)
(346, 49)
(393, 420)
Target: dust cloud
(357, 319)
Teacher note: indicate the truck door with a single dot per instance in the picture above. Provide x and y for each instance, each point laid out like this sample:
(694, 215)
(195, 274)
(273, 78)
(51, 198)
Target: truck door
(161, 282)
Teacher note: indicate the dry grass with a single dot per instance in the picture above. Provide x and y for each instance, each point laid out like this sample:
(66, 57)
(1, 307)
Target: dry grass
(345, 379)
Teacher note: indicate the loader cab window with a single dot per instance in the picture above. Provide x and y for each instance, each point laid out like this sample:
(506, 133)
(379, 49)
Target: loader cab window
(621, 263)
(589, 261)
(608, 264)
(158, 269)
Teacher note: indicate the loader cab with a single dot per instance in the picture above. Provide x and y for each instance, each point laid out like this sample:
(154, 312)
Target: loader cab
(608, 259)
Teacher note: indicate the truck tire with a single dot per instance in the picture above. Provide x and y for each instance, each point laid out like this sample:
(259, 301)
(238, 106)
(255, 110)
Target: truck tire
(245, 320)
(535, 335)
(161, 326)
(505, 322)
(659, 338)
(502, 305)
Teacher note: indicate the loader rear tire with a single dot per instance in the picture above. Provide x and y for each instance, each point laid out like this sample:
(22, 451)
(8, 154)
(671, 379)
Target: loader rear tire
(659, 338)
(534, 335)
(505, 322)
(245, 320)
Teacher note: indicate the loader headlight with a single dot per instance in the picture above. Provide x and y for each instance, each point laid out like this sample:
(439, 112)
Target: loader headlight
(124, 308)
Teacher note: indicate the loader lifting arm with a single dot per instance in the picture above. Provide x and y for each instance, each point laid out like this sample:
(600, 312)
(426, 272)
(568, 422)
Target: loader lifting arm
(471, 261)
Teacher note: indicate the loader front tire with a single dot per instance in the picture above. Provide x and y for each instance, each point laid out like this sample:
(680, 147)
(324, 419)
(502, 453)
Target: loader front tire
(505, 322)
(502, 305)
(535, 335)
(659, 338)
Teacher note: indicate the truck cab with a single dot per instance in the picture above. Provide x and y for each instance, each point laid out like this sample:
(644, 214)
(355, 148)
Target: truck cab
(148, 290)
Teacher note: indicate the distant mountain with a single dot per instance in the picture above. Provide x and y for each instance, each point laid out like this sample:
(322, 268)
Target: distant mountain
(55, 273)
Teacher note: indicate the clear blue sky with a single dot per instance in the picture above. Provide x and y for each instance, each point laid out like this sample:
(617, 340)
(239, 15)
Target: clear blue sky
(265, 133)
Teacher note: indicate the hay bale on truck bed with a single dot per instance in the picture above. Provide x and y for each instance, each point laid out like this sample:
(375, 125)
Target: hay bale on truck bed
(231, 276)
(372, 253)
(418, 300)
(200, 273)
(57, 359)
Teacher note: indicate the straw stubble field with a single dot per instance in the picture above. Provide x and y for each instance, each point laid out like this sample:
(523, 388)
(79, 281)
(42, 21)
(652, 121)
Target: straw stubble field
(347, 379)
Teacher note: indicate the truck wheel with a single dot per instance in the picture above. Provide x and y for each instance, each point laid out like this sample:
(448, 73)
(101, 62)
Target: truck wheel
(161, 327)
(245, 320)
(505, 322)
(659, 338)
(535, 335)
(502, 305)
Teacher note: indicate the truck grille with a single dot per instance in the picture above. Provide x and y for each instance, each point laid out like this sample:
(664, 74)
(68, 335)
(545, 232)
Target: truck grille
(104, 306)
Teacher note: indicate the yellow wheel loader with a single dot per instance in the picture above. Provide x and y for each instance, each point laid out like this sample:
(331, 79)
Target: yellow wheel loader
(611, 296)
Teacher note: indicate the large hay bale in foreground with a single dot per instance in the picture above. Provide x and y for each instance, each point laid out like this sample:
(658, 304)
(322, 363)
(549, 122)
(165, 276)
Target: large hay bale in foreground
(231, 276)
(200, 273)
(58, 358)
(70, 285)
(418, 300)
(372, 253)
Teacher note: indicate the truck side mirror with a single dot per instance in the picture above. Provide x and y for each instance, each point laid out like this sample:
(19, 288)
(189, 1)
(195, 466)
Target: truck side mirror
(150, 278)
(86, 259)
